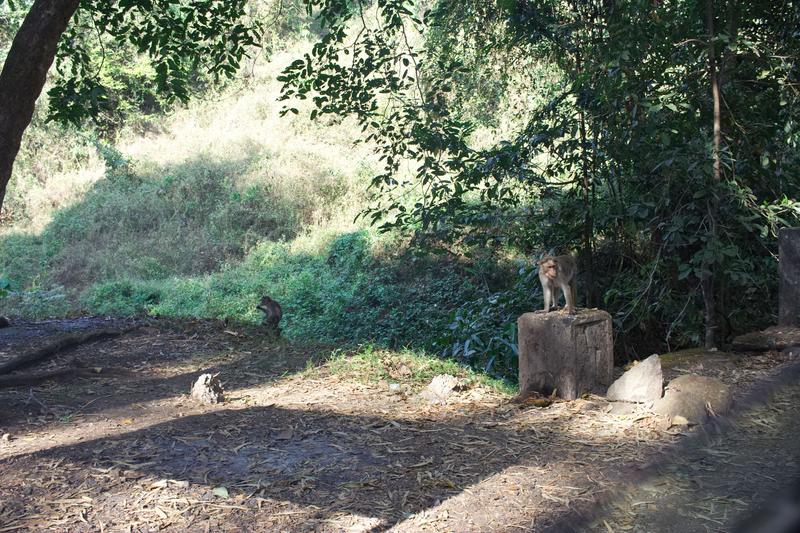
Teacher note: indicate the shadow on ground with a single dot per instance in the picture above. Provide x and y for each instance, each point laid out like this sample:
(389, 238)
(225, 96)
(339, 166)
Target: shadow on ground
(325, 464)
(162, 357)
(323, 455)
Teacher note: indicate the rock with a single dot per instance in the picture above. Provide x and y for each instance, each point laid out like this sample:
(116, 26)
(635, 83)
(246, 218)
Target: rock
(642, 383)
(440, 388)
(6, 438)
(792, 351)
(789, 266)
(569, 354)
(694, 398)
(751, 342)
(772, 338)
(208, 389)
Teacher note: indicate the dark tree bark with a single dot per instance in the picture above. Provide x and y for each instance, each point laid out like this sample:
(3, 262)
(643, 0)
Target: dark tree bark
(707, 277)
(24, 73)
(587, 252)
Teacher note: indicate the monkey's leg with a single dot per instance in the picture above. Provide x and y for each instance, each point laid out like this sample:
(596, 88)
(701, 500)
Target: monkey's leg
(569, 296)
(556, 296)
(548, 294)
(573, 289)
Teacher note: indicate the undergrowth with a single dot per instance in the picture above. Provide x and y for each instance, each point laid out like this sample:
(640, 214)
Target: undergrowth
(220, 203)
(416, 368)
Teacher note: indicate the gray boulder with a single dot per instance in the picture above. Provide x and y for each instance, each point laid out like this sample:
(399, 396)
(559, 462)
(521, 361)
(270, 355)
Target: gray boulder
(692, 399)
(642, 383)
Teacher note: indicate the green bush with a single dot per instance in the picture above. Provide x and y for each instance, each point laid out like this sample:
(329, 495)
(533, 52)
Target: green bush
(121, 298)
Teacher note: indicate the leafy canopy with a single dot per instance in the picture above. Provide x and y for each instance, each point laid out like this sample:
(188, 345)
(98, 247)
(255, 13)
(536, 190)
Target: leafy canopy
(612, 156)
(180, 37)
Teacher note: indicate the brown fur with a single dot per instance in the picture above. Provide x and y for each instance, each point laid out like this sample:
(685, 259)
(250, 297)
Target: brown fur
(558, 273)
(272, 313)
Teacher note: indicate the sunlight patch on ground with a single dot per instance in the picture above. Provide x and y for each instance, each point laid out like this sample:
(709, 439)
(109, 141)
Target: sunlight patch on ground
(108, 423)
(510, 500)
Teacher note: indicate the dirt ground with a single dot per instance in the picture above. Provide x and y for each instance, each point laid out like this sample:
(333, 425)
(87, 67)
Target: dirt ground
(296, 447)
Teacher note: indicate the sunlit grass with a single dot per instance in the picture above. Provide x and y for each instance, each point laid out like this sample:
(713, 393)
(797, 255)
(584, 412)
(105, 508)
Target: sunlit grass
(372, 363)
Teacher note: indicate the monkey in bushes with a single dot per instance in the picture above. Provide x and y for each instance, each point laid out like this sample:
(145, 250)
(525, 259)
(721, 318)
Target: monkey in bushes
(558, 273)
(272, 315)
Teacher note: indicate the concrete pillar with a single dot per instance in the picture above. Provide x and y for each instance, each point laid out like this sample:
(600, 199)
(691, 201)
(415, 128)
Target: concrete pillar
(571, 354)
(789, 291)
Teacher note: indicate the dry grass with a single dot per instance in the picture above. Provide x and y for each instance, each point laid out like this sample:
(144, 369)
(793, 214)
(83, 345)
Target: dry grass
(296, 158)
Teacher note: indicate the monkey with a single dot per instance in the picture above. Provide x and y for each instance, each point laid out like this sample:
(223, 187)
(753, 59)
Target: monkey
(272, 314)
(558, 273)
(4, 322)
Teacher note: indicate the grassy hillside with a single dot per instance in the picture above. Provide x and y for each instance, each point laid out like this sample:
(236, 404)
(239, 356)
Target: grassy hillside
(223, 202)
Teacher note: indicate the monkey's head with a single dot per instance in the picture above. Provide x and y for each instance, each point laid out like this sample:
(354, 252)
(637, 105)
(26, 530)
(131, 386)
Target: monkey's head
(549, 267)
(264, 304)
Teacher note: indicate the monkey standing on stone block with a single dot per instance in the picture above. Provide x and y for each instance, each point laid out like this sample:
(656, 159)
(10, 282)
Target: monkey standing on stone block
(272, 315)
(558, 273)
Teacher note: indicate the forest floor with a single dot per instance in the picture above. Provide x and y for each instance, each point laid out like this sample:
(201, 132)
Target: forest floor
(301, 446)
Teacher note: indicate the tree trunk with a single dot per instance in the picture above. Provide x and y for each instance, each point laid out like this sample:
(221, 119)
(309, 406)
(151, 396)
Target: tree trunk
(587, 254)
(707, 277)
(588, 221)
(24, 73)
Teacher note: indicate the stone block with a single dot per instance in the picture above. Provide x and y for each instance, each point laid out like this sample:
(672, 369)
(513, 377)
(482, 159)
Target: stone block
(789, 266)
(772, 338)
(642, 383)
(571, 354)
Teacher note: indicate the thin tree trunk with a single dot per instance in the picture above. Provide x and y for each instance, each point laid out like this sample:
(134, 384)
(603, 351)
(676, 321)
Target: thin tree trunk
(588, 222)
(24, 73)
(707, 277)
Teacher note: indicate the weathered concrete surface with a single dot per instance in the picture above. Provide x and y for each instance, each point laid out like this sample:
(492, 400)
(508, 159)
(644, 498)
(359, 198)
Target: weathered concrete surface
(789, 292)
(642, 383)
(571, 354)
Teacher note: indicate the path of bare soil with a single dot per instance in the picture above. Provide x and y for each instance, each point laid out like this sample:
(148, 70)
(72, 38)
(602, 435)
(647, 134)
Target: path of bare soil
(297, 447)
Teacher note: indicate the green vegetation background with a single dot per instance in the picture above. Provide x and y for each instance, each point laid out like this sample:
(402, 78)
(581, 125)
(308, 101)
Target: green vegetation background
(197, 210)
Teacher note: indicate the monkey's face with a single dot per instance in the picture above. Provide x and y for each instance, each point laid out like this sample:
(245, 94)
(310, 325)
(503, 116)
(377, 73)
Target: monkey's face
(264, 305)
(548, 267)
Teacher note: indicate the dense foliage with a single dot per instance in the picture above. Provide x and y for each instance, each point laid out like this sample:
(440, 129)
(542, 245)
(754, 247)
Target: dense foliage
(617, 156)
(118, 58)
(658, 141)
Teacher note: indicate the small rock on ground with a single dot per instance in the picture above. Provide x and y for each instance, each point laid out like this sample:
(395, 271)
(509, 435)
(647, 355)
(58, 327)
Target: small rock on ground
(440, 388)
(208, 389)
